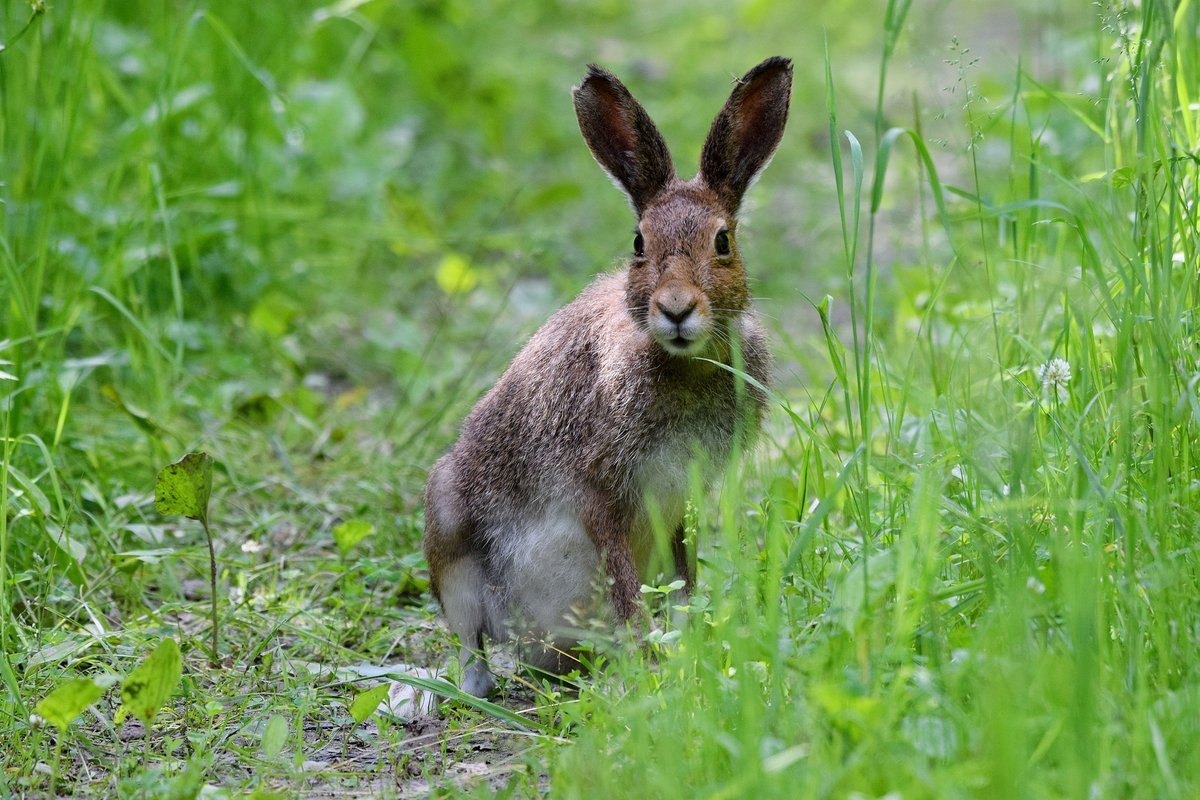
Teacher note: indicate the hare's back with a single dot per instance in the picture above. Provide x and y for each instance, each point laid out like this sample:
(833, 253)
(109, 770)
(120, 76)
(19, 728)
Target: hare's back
(562, 378)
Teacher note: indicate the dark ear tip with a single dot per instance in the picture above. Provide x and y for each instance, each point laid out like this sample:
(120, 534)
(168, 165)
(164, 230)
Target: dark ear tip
(596, 72)
(772, 64)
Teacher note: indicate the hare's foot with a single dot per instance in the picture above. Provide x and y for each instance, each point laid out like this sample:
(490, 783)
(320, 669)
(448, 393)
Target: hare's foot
(464, 601)
(476, 677)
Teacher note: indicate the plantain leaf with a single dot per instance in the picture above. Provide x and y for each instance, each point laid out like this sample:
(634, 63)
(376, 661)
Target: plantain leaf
(351, 533)
(365, 704)
(149, 687)
(64, 704)
(185, 486)
(274, 736)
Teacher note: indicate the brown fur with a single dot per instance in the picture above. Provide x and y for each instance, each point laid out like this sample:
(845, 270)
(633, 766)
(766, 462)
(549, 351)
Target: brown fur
(609, 398)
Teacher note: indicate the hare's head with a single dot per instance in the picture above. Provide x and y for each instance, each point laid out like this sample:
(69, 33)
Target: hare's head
(686, 279)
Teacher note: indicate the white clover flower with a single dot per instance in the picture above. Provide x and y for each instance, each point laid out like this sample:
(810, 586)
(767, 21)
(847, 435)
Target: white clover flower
(252, 546)
(1056, 374)
(37, 721)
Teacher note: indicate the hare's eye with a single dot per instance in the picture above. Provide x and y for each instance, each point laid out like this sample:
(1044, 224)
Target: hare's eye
(639, 245)
(722, 242)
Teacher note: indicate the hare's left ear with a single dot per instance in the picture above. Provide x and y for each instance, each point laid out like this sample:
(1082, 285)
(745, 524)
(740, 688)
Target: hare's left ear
(745, 134)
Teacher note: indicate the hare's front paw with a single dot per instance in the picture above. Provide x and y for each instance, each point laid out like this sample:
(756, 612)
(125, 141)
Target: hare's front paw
(477, 679)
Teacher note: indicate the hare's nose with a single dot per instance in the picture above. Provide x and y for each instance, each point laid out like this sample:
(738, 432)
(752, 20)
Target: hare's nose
(679, 313)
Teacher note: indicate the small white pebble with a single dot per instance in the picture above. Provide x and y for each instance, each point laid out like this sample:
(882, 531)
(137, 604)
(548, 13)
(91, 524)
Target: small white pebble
(407, 701)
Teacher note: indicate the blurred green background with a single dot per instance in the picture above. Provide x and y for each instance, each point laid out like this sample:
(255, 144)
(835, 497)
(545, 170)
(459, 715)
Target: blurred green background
(305, 237)
(291, 190)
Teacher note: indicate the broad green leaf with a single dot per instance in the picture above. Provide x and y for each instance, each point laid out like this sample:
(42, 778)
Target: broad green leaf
(274, 736)
(149, 687)
(351, 533)
(68, 701)
(184, 487)
(365, 704)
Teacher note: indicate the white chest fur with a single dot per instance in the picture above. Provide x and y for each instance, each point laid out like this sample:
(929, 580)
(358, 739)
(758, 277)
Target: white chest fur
(553, 567)
(664, 478)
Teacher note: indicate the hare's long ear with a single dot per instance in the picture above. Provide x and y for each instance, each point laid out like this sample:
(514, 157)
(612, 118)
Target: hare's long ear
(622, 137)
(745, 134)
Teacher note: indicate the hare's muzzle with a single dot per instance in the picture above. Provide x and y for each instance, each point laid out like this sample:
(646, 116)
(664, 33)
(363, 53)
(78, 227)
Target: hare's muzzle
(678, 318)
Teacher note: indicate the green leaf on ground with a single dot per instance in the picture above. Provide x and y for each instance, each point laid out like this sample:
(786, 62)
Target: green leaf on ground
(351, 533)
(365, 704)
(149, 687)
(274, 736)
(68, 701)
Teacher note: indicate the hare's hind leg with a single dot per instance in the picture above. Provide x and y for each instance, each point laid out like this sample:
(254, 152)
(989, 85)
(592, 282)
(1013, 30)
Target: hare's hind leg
(457, 576)
(463, 593)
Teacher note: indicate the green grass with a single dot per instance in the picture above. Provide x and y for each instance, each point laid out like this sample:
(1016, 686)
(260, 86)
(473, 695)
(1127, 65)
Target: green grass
(305, 237)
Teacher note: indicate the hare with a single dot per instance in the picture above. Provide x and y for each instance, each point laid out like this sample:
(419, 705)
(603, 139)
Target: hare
(549, 490)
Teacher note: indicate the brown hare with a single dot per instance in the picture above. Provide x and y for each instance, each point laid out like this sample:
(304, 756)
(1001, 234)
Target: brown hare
(548, 489)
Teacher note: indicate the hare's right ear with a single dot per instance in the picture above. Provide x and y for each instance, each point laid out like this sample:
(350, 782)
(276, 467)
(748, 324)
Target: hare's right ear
(621, 136)
(745, 134)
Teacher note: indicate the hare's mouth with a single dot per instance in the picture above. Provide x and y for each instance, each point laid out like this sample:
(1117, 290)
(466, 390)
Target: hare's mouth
(680, 345)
